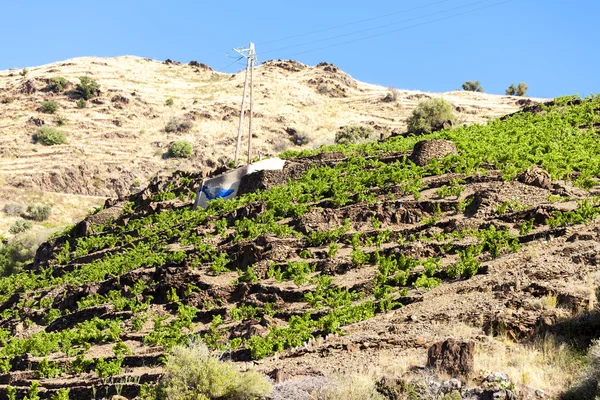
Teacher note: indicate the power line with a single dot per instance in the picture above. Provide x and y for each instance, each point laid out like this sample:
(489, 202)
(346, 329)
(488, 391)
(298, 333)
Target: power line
(352, 23)
(374, 28)
(401, 29)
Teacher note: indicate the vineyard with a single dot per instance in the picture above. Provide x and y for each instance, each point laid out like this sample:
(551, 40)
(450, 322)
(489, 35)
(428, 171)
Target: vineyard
(343, 247)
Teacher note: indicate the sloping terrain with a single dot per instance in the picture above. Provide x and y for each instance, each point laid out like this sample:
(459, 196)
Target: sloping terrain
(352, 257)
(117, 142)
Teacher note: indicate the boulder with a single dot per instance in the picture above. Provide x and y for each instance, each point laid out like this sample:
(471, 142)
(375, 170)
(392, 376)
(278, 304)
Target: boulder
(452, 356)
(427, 150)
(536, 176)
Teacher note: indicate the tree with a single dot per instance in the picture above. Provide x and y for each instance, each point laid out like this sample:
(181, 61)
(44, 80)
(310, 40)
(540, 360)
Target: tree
(429, 116)
(519, 90)
(87, 88)
(472, 86)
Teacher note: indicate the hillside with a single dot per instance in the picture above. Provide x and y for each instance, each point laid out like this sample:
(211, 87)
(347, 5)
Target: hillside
(118, 141)
(352, 260)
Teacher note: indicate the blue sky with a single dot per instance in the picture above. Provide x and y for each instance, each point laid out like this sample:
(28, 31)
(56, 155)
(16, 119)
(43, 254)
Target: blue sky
(552, 45)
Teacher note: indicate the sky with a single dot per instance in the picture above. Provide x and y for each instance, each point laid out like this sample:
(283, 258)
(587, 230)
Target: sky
(429, 45)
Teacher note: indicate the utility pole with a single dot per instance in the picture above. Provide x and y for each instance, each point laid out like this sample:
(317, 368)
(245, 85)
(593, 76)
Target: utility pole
(251, 103)
(248, 53)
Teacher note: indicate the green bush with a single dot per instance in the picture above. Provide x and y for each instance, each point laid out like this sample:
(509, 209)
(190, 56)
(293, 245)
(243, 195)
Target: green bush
(169, 102)
(519, 90)
(57, 84)
(49, 136)
(39, 212)
(20, 226)
(472, 86)
(48, 107)
(87, 88)
(180, 149)
(191, 373)
(355, 135)
(81, 103)
(429, 116)
(16, 253)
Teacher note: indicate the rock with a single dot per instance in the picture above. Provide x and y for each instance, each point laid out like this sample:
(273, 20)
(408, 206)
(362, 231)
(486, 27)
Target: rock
(352, 348)
(427, 150)
(36, 121)
(450, 385)
(120, 99)
(497, 377)
(536, 176)
(28, 87)
(452, 356)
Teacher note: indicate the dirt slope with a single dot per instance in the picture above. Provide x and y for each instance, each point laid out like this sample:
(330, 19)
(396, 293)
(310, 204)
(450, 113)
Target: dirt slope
(117, 143)
(352, 261)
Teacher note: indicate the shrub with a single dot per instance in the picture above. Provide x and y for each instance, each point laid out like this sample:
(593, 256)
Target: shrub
(48, 107)
(24, 72)
(430, 115)
(87, 88)
(391, 96)
(169, 102)
(180, 149)
(354, 135)
(81, 103)
(16, 253)
(57, 84)
(519, 90)
(39, 212)
(191, 373)
(177, 125)
(300, 138)
(6, 99)
(472, 86)
(20, 226)
(588, 386)
(13, 209)
(49, 136)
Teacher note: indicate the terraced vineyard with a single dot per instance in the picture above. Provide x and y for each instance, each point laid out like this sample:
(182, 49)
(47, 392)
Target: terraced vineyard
(376, 233)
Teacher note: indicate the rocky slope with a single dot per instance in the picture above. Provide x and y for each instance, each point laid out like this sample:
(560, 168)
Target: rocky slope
(350, 260)
(118, 141)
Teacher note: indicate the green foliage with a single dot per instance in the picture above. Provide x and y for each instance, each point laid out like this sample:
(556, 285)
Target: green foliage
(586, 211)
(247, 276)
(180, 149)
(169, 102)
(81, 103)
(57, 84)
(39, 212)
(48, 369)
(32, 393)
(519, 90)
(298, 271)
(468, 264)
(192, 374)
(355, 135)
(87, 88)
(61, 394)
(104, 368)
(11, 392)
(429, 116)
(49, 107)
(24, 72)
(244, 311)
(455, 189)
(20, 226)
(49, 136)
(472, 86)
